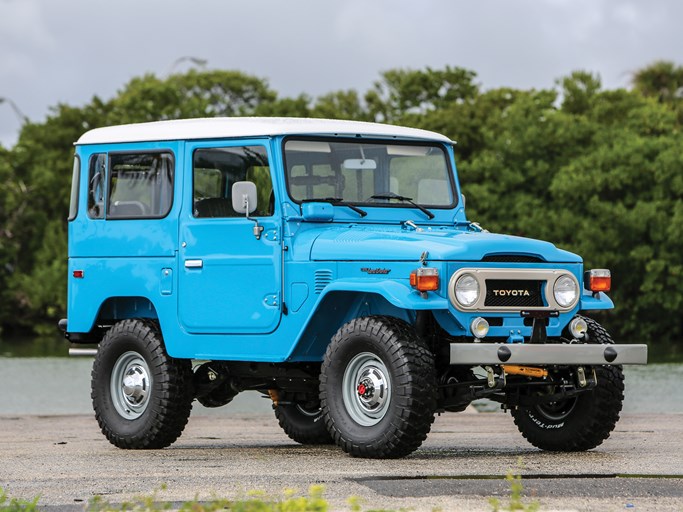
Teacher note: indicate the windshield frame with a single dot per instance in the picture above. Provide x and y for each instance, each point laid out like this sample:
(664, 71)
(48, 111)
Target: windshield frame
(375, 140)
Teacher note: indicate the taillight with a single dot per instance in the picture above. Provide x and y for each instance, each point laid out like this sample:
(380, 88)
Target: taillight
(598, 280)
(425, 279)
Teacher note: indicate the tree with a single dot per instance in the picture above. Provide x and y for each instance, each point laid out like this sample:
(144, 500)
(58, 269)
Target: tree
(403, 94)
(662, 80)
(597, 172)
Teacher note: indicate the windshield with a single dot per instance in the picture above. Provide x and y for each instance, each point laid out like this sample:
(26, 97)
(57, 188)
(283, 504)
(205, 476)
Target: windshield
(355, 171)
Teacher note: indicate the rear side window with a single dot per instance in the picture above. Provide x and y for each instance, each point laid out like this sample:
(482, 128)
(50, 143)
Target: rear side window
(140, 185)
(96, 180)
(75, 185)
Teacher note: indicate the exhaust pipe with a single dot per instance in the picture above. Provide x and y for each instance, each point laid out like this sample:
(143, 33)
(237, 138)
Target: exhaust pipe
(82, 352)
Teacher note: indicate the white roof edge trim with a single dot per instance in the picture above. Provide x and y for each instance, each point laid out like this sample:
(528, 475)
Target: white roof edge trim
(239, 127)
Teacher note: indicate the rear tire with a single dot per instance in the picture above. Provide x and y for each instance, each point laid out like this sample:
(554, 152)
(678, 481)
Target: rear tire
(582, 422)
(378, 388)
(303, 422)
(141, 396)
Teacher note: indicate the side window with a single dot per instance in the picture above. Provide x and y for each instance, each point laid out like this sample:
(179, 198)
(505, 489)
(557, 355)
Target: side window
(140, 185)
(75, 186)
(215, 170)
(96, 180)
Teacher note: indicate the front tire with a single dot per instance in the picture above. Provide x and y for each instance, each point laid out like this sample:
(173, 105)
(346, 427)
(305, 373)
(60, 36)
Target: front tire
(378, 388)
(141, 396)
(582, 422)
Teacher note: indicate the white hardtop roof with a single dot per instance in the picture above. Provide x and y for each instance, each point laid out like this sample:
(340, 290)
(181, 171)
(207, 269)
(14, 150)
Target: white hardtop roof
(229, 127)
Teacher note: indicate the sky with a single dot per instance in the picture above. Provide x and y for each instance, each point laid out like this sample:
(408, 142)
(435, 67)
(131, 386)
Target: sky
(68, 51)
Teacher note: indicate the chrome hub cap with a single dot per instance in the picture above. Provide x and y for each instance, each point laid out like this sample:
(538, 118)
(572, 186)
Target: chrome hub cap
(131, 385)
(366, 389)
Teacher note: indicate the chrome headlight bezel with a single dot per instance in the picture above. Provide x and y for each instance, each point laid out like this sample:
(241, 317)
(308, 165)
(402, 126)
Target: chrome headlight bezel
(466, 283)
(566, 291)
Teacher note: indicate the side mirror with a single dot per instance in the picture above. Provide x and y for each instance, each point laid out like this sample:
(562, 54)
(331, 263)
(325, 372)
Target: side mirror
(244, 198)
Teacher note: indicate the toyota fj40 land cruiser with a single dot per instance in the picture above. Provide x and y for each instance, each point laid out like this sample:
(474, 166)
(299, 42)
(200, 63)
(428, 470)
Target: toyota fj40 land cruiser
(329, 265)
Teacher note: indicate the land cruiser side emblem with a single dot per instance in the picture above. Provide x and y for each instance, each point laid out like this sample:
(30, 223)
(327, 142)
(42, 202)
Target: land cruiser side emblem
(514, 293)
(375, 270)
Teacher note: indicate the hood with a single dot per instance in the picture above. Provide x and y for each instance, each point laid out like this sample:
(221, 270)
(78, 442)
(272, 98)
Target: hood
(392, 243)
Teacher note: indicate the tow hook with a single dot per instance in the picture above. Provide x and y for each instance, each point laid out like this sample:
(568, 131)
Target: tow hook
(491, 380)
(583, 380)
(274, 396)
(581, 376)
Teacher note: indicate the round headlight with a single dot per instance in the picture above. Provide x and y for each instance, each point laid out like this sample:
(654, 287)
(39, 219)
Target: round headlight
(565, 291)
(467, 290)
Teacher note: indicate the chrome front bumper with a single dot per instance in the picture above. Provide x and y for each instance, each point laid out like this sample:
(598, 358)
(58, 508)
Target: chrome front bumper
(546, 354)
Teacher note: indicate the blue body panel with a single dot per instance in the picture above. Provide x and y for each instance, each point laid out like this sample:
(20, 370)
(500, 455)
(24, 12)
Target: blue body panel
(218, 292)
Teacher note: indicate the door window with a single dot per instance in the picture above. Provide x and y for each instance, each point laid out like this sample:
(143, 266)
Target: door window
(216, 170)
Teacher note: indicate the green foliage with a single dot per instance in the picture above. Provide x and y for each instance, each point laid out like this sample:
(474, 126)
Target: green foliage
(16, 505)
(597, 172)
(255, 502)
(515, 501)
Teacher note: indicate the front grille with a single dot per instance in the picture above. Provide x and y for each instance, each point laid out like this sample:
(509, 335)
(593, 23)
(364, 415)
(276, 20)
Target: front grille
(514, 293)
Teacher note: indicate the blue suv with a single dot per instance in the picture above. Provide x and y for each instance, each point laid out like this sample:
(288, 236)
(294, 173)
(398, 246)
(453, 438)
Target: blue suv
(329, 265)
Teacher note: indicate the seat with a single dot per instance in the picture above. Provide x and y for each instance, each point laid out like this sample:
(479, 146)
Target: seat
(127, 209)
(214, 207)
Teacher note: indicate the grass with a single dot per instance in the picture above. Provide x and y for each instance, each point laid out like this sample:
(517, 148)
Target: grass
(8, 504)
(515, 500)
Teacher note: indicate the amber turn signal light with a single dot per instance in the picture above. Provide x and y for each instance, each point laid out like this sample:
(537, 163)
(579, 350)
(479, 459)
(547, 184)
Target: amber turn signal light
(599, 280)
(425, 279)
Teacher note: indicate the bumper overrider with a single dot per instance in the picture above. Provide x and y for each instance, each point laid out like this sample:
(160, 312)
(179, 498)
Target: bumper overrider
(546, 354)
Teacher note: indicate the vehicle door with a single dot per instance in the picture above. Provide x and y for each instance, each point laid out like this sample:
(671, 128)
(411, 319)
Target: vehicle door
(230, 273)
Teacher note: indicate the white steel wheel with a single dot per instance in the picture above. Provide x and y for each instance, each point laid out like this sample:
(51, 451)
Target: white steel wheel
(366, 389)
(131, 384)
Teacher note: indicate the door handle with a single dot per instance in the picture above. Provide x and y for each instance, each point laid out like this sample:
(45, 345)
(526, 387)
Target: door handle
(194, 263)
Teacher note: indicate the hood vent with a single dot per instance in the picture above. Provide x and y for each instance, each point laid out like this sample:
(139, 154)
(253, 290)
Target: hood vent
(322, 279)
(511, 258)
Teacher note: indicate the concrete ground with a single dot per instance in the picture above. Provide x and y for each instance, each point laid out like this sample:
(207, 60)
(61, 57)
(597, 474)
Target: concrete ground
(66, 461)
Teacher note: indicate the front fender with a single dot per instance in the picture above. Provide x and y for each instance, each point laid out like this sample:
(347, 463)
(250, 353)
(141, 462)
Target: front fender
(589, 302)
(397, 293)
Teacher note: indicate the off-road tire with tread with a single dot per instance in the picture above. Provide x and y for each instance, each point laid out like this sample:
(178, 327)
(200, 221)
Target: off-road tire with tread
(589, 420)
(302, 423)
(170, 393)
(409, 364)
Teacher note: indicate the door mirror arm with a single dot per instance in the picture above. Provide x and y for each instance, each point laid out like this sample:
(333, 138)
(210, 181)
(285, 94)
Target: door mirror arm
(258, 229)
(244, 200)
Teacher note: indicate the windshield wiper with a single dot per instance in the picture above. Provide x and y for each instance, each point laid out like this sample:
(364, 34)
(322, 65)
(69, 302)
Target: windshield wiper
(336, 201)
(391, 195)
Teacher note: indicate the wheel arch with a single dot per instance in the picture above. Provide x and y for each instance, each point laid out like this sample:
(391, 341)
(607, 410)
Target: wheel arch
(336, 308)
(110, 311)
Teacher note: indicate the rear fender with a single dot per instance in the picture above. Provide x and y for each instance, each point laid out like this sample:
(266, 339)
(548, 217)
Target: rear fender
(111, 311)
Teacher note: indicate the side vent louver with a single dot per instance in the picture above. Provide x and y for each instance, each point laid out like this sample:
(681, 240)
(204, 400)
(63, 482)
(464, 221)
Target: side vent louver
(322, 279)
